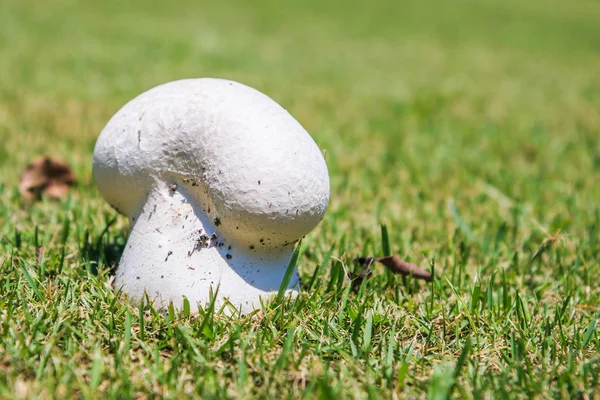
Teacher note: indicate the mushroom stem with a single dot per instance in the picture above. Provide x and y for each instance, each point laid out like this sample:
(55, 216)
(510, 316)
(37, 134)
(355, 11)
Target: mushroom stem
(175, 250)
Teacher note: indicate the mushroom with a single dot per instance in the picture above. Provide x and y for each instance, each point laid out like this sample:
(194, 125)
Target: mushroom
(219, 182)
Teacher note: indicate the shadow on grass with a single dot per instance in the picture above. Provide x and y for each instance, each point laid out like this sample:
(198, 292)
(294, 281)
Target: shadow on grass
(103, 256)
(103, 252)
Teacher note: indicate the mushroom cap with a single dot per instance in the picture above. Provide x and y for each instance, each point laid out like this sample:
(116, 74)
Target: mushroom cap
(243, 158)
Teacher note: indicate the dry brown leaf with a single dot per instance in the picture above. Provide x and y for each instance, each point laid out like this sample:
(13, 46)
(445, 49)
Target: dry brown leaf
(40, 254)
(47, 177)
(394, 264)
(399, 266)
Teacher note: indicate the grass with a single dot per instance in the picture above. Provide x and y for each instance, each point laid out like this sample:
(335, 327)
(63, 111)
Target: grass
(469, 130)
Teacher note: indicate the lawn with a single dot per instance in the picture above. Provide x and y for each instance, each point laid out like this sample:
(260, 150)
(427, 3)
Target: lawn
(469, 131)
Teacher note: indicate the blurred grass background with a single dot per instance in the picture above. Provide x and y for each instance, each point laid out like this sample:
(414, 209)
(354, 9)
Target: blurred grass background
(451, 122)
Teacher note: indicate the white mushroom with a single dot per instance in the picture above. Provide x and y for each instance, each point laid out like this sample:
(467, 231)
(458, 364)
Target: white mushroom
(219, 182)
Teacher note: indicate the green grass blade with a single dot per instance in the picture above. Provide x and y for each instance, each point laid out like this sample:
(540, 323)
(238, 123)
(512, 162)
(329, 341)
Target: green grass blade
(289, 272)
(589, 333)
(32, 283)
(385, 241)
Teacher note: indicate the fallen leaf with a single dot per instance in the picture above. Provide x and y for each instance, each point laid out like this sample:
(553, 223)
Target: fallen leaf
(47, 177)
(394, 264)
(399, 266)
(40, 254)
